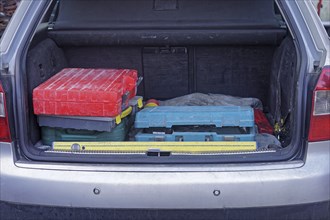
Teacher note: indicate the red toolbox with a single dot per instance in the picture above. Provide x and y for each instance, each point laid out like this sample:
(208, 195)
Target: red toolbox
(85, 92)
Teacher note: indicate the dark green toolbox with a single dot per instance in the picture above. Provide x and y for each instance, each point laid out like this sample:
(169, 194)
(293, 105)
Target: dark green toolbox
(50, 134)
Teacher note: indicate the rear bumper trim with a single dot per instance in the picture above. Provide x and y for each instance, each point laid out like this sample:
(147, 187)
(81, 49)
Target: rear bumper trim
(168, 189)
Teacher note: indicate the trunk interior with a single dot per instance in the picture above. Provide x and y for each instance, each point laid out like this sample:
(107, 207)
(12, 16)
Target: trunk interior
(178, 47)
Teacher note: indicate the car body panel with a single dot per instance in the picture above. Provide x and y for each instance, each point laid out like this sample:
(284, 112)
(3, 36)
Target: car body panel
(159, 186)
(168, 189)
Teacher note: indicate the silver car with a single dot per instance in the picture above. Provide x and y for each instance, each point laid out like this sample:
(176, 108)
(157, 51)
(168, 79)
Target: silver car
(273, 50)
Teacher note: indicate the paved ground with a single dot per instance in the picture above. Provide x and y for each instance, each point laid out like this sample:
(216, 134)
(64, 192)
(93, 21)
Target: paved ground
(325, 10)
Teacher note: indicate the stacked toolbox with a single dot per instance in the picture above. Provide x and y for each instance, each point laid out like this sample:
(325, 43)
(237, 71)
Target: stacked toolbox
(85, 92)
(77, 128)
(86, 104)
(51, 134)
(195, 123)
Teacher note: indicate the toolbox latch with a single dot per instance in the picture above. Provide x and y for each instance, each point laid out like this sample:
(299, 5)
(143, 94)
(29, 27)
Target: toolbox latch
(179, 138)
(208, 138)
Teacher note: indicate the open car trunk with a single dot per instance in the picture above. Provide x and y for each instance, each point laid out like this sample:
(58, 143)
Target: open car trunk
(236, 48)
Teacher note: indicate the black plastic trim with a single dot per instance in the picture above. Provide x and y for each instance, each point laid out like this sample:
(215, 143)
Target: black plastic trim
(315, 211)
(252, 36)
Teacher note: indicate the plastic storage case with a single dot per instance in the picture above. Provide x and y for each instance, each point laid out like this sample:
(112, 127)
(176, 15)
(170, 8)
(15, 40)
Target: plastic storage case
(87, 123)
(86, 92)
(49, 135)
(195, 123)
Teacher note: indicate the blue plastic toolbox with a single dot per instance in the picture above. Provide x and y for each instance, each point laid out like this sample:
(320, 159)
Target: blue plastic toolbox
(195, 123)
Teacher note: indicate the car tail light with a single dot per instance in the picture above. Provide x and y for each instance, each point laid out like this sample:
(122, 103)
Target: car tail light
(319, 129)
(4, 126)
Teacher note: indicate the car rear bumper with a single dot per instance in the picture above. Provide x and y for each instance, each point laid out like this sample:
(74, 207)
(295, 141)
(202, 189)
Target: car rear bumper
(167, 187)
